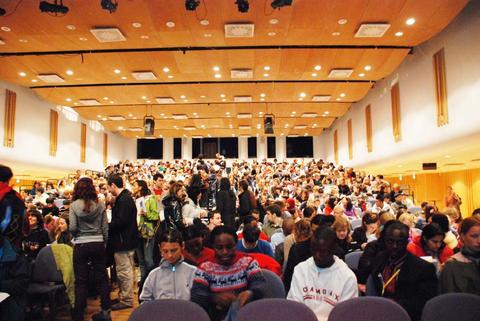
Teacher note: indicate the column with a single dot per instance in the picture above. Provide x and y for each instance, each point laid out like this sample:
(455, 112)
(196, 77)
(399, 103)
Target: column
(281, 147)
(242, 148)
(168, 148)
(261, 147)
(186, 148)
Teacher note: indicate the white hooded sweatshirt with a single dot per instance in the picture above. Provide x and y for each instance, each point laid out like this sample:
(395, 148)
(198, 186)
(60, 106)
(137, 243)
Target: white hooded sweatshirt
(322, 288)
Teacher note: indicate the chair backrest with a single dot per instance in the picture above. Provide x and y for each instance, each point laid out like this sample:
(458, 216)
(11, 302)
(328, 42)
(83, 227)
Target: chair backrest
(352, 259)
(415, 209)
(275, 310)
(275, 287)
(356, 223)
(370, 288)
(452, 306)
(358, 211)
(169, 310)
(45, 268)
(368, 309)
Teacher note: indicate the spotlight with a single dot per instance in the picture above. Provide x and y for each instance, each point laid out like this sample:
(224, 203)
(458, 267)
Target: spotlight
(109, 5)
(55, 7)
(277, 4)
(2, 12)
(242, 5)
(191, 5)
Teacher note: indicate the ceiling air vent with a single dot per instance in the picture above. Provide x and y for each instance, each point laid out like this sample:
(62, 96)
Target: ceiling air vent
(340, 73)
(372, 30)
(135, 129)
(300, 127)
(321, 98)
(244, 127)
(241, 73)
(239, 30)
(108, 34)
(309, 115)
(116, 117)
(165, 100)
(89, 102)
(179, 116)
(50, 78)
(189, 127)
(144, 75)
(244, 115)
(242, 99)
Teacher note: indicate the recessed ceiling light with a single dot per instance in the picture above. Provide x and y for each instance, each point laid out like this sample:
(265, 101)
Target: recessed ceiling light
(367, 67)
(342, 95)
(410, 21)
(144, 37)
(69, 72)
(207, 35)
(267, 68)
(203, 96)
(327, 112)
(361, 75)
(338, 99)
(166, 69)
(83, 39)
(447, 156)
(149, 101)
(302, 95)
(34, 80)
(185, 100)
(68, 99)
(130, 115)
(222, 95)
(273, 21)
(342, 21)
(22, 74)
(170, 24)
(123, 77)
(227, 113)
(224, 99)
(183, 96)
(216, 68)
(117, 71)
(266, 75)
(70, 27)
(314, 74)
(294, 112)
(104, 118)
(99, 116)
(317, 67)
(120, 127)
(136, 25)
(218, 76)
(23, 40)
(262, 95)
(204, 22)
(300, 98)
(111, 101)
(105, 98)
(195, 114)
(336, 34)
(262, 99)
(398, 33)
(260, 112)
(6, 29)
(272, 33)
(170, 76)
(144, 97)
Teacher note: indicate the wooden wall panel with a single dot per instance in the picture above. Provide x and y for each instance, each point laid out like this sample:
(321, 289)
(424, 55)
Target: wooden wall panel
(105, 149)
(441, 99)
(368, 126)
(53, 132)
(83, 143)
(335, 146)
(9, 126)
(396, 117)
(350, 139)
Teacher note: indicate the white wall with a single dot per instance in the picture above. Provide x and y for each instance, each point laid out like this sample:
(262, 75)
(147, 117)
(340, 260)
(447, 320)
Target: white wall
(417, 99)
(32, 136)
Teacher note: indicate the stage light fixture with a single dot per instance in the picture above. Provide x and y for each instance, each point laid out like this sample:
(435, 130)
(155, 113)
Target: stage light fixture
(109, 5)
(2, 12)
(242, 5)
(55, 7)
(191, 5)
(277, 4)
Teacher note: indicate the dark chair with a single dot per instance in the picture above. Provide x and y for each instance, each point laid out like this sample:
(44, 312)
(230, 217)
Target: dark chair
(355, 223)
(452, 306)
(368, 309)
(47, 281)
(370, 288)
(275, 310)
(169, 310)
(352, 259)
(275, 288)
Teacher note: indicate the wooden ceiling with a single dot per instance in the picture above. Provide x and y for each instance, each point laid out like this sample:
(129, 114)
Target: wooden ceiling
(289, 42)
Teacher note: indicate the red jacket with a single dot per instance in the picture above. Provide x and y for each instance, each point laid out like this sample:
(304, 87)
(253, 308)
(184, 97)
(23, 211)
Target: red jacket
(267, 262)
(416, 249)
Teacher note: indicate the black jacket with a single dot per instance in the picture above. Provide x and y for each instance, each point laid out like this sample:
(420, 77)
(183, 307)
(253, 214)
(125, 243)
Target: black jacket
(359, 237)
(417, 283)
(245, 204)
(226, 203)
(173, 213)
(123, 230)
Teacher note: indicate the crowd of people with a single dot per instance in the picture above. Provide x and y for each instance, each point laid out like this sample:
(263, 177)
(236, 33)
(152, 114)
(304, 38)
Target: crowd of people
(203, 230)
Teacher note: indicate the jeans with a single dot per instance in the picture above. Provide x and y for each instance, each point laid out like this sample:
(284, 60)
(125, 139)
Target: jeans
(124, 266)
(93, 253)
(145, 257)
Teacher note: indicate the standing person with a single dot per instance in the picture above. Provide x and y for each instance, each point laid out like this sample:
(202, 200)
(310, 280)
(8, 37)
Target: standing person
(89, 228)
(453, 200)
(323, 280)
(225, 199)
(246, 200)
(173, 207)
(123, 237)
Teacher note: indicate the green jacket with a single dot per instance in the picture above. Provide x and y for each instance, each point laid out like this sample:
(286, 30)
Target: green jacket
(149, 222)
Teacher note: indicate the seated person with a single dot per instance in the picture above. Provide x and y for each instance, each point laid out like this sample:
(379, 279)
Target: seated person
(300, 251)
(267, 262)
(430, 243)
(321, 219)
(444, 222)
(367, 232)
(461, 272)
(250, 219)
(274, 221)
(50, 207)
(323, 280)
(230, 276)
(214, 220)
(37, 237)
(195, 251)
(251, 242)
(173, 278)
(401, 276)
(341, 226)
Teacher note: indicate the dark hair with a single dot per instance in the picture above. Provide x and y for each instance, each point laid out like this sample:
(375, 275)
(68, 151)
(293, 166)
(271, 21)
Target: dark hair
(324, 233)
(468, 223)
(274, 209)
(196, 181)
(429, 211)
(394, 225)
(116, 180)
(442, 221)
(251, 233)
(476, 212)
(323, 220)
(211, 214)
(308, 211)
(85, 191)
(224, 184)
(144, 190)
(223, 229)
(5, 173)
(431, 230)
(247, 220)
(170, 236)
(369, 218)
(244, 185)
(380, 197)
(191, 232)
(38, 215)
(157, 175)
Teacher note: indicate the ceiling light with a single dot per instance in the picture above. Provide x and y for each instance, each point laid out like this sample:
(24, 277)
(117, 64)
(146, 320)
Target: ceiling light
(314, 74)
(207, 35)
(300, 127)
(136, 25)
(183, 96)
(104, 118)
(335, 33)
(410, 21)
(170, 76)
(204, 22)
(83, 39)
(185, 100)
(108, 34)
(398, 33)
(317, 67)
(272, 33)
(342, 21)
(116, 117)
(99, 116)
(130, 115)
(195, 114)
(338, 99)
(294, 112)
(224, 99)
(111, 101)
(110, 5)
(68, 99)
(277, 4)
(149, 101)
(144, 37)
(203, 96)
(117, 71)
(105, 98)
(189, 127)
(218, 76)
(216, 68)
(227, 113)
(242, 5)
(170, 24)
(361, 75)
(54, 8)
(262, 99)
(273, 21)
(191, 5)
(179, 116)
(23, 40)
(367, 67)
(120, 127)
(69, 72)
(266, 75)
(22, 74)
(144, 97)
(123, 77)
(262, 95)
(34, 80)
(70, 27)
(327, 112)
(342, 95)
(6, 29)
(166, 69)
(144, 75)
(267, 68)
(302, 95)
(260, 112)
(222, 95)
